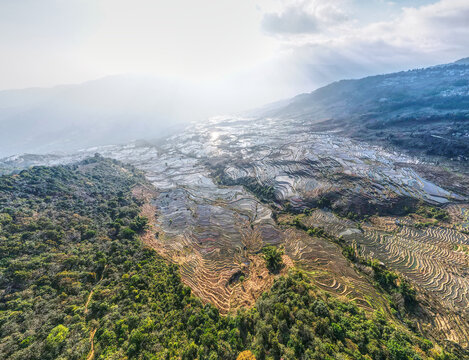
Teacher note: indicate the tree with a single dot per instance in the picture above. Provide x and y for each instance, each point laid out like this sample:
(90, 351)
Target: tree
(190, 352)
(57, 336)
(246, 355)
(139, 224)
(273, 258)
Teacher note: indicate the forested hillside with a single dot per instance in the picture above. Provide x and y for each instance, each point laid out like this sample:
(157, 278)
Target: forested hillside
(76, 282)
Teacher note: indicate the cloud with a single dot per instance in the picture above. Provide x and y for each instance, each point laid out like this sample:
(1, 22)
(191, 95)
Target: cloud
(436, 32)
(306, 17)
(309, 43)
(417, 37)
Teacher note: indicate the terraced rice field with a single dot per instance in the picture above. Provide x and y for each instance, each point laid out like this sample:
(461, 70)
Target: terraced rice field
(431, 258)
(426, 256)
(324, 261)
(215, 232)
(459, 214)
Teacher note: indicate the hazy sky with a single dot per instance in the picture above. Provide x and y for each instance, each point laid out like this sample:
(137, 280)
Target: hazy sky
(276, 47)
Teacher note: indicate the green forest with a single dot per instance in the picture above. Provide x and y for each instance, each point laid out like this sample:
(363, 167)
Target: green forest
(76, 282)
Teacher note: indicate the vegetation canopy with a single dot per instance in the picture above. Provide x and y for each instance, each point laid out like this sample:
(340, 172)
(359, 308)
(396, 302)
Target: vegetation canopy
(77, 283)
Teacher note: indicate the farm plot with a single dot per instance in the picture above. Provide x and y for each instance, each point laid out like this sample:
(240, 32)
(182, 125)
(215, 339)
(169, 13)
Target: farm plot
(324, 261)
(431, 259)
(426, 256)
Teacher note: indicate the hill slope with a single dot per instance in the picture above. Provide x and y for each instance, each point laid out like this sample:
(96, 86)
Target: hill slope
(76, 282)
(422, 110)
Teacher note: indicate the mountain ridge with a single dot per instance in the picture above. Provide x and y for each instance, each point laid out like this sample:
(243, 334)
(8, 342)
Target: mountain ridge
(422, 110)
(109, 110)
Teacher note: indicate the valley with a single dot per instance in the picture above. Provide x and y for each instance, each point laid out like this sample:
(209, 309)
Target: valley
(226, 189)
(234, 180)
(80, 278)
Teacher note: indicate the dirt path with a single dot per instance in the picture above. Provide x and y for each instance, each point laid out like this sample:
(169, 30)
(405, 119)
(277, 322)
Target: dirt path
(91, 292)
(88, 301)
(91, 354)
(93, 331)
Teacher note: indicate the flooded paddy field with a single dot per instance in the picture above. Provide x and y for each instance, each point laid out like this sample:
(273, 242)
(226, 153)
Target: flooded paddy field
(219, 186)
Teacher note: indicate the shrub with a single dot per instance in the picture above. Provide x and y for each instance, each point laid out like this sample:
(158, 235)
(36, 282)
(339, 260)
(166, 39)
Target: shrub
(127, 233)
(139, 224)
(273, 258)
(246, 355)
(57, 336)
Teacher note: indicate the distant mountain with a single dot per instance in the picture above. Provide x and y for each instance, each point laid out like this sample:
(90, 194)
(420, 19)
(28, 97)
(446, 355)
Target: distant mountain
(421, 110)
(104, 111)
(464, 61)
